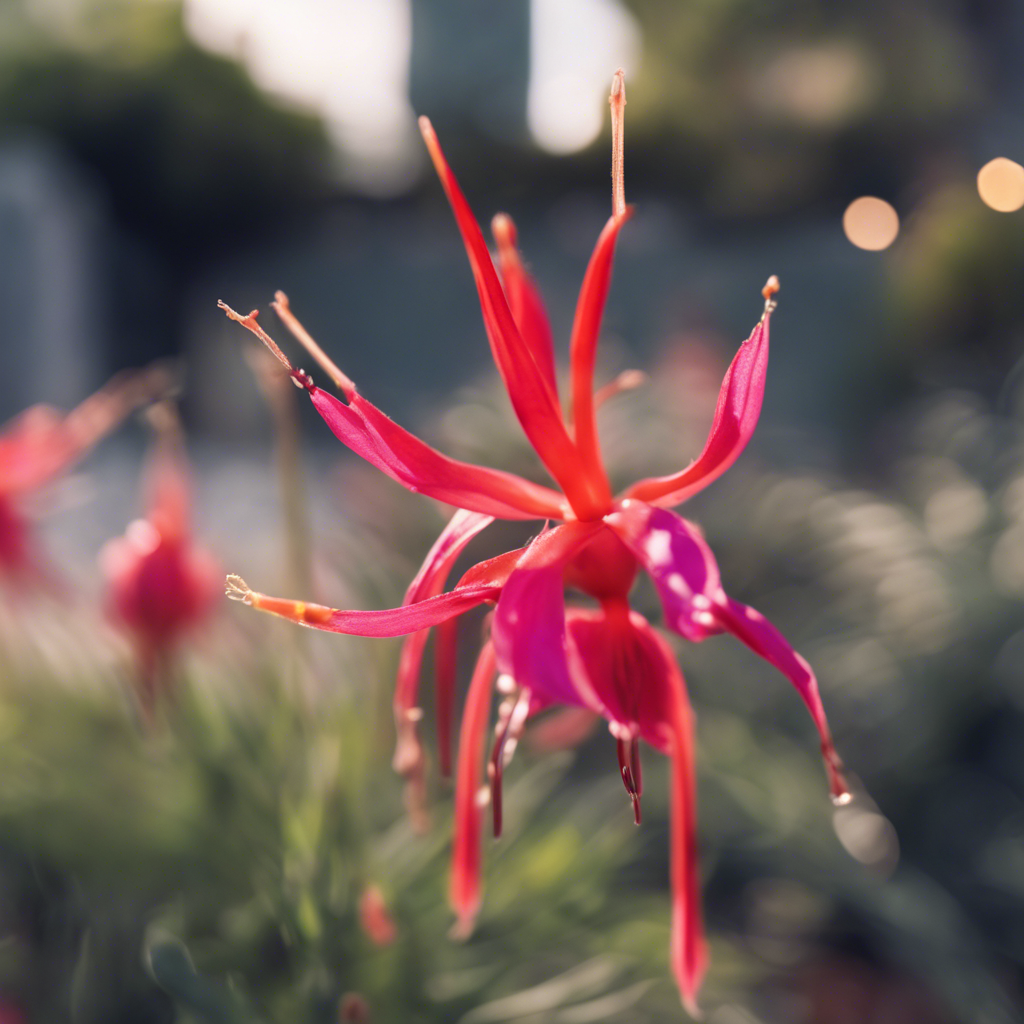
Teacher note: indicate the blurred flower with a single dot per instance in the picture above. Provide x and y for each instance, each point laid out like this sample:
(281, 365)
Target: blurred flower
(160, 584)
(42, 443)
(607, 660)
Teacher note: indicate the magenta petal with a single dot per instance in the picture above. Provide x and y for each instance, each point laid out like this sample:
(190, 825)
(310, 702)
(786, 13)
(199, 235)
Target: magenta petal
(736, 415)
(750, 626)
(678, 559)
(383, 622)
(529, 632)
(422, 469)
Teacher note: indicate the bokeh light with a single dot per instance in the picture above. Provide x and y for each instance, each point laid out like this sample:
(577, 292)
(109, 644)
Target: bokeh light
(1001, 185)
(871, 223)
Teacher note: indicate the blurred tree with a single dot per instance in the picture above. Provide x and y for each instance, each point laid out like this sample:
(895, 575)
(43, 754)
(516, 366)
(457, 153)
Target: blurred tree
(189, 151)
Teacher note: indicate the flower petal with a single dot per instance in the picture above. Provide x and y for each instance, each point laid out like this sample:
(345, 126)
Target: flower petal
(529, 631)
(446, 647)
(678, 560)
(750, 626)
(378, 622)
(534, 401)
(583, 346)
(422, 469)
(686, 576)
(465, 885)
(429, 581)
(524, 299)
(688, 950)
(736, 415)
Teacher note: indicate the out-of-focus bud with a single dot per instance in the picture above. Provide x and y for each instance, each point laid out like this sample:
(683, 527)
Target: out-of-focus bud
(374, 917)
(353, 1009)
(160, 585)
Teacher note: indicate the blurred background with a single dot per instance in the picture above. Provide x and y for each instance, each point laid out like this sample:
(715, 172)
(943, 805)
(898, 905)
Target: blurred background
(156, 156)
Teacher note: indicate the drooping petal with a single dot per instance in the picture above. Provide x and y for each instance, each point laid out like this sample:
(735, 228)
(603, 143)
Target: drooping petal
(445, 661)
(736, 415)
(378, 622)
(678, 560)
(686, 576)
(689, 950)
(534, 401)
(524, 299)
(529, 631)
(750, 626)
(583, 346)
(424, 470)
(428, 582)
(465, 886)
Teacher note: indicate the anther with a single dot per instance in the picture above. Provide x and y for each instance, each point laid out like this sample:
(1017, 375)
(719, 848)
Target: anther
(617, 99)
(770, 289)
(237, 589)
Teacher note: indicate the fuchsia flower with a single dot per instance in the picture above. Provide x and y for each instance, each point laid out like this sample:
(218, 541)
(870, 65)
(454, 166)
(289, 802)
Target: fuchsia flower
(41, 444)
(160, 585)
(607, 660)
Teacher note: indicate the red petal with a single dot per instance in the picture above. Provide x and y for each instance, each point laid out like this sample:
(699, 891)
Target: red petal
(764, 639)
(524, 300)
(429, 581)
(417, 466)
(583, 347)
(382, 622)
(688, 950)
(532, 397)
(736, 415)
(445, 660)
(465, 886)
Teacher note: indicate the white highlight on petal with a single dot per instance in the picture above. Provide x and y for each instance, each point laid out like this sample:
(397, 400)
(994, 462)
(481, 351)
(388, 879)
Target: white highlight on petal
(575, 46)
(658, 547)
(143, 536)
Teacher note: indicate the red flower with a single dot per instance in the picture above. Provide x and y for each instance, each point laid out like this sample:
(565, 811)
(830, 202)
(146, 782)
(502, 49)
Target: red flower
(42, 443)
(160, 584)
(608, 660)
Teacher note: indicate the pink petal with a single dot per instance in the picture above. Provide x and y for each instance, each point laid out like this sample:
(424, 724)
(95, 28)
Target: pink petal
(685, 574)
(736, 415)
(524, 299)
(424, 470)
(529, 622)
(764, 639)
(465, 886)
(583, 346)
(534, 401)
(678, 560)
(382, 622)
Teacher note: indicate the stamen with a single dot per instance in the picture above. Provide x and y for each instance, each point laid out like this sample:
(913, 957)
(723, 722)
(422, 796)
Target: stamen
(629, 765)
(626, 381)
(511, 718)
(770, 289)
(237, 589)
(617, 99)
(305, 339)
(249, 322)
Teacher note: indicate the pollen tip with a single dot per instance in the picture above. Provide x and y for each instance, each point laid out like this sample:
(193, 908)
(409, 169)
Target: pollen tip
(504, 230)
(619, 85)
(771, 287)
(237, 589)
